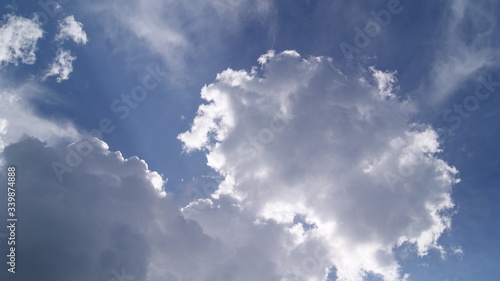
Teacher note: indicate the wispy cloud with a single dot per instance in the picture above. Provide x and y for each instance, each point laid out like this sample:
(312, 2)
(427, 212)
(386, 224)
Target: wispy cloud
(61, 67)
(468, 45)
(18, 117)
(177, 32)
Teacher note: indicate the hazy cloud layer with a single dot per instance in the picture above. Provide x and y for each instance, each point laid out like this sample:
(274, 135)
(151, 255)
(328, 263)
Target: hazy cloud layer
(174, 30)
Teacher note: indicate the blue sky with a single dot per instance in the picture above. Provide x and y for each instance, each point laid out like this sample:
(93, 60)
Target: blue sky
(252, 139)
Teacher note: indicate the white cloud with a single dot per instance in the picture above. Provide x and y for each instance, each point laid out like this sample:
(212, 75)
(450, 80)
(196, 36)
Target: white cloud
(18, 39)
(71, 29)
(297, 137)
(62, 66)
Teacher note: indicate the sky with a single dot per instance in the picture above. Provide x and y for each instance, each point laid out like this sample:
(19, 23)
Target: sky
(221, 140)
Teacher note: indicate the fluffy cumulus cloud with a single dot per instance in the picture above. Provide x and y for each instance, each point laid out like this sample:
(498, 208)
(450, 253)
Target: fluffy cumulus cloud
(18, 39)
(331, 161)
(71, 29)
(61, 67)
